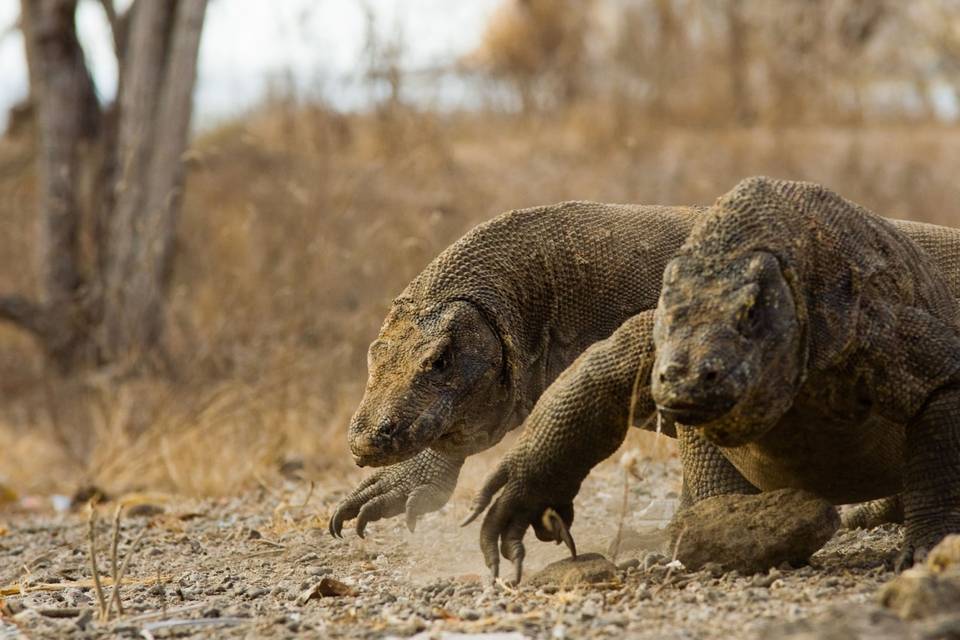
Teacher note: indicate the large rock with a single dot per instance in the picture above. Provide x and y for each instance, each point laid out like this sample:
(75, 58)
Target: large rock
(753, 533)
(588, 568)
(930, 589)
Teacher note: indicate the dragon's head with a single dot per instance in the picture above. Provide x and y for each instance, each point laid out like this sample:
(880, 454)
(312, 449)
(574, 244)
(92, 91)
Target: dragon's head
(435, 380)
(728, 341)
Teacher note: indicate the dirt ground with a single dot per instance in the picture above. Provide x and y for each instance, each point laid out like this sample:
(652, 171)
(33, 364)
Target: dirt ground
(257, 565)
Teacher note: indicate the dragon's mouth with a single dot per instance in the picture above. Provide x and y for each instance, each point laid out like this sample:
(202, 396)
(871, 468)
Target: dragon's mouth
(694, 415)
(386, 447)
(381, 458)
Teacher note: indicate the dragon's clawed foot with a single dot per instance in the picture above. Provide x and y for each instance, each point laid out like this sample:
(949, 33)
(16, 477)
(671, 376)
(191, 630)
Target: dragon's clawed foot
(414, 487)
(518, 507)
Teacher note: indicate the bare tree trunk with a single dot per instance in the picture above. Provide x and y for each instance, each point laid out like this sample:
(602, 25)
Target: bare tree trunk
(68, 123)
(106, 303)
(158, 79)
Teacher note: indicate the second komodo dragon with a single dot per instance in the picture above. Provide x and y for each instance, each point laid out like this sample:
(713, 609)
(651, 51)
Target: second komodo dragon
(800, 341)
(472, 343)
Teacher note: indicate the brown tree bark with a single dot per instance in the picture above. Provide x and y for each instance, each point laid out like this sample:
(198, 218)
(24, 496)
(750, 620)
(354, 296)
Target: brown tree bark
(109, 177)
(155, 106)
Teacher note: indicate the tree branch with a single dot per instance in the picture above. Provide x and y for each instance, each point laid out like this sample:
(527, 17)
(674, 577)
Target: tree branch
(119, 25)
(114, 21)
(23, 313)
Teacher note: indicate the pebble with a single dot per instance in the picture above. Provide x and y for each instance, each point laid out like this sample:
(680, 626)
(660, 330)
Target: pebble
(587, 568)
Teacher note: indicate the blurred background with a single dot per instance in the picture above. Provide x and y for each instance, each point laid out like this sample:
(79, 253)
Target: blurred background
(206, 207)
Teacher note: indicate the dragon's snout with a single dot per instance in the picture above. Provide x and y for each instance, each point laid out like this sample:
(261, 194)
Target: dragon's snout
(373, 441)
(696, 392)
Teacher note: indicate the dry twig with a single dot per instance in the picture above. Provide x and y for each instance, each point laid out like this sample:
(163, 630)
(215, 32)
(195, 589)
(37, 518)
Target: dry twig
(673, 563)
(115, 596)
(123, 573)
(92, 537)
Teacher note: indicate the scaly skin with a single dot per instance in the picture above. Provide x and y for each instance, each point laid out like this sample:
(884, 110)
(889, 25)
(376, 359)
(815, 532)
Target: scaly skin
(549, 282)
(504, 310)
(817, 347)
(538, 456)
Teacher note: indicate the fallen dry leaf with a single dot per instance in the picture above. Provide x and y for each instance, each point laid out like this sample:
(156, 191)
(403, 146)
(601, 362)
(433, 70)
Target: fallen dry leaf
(326, 588)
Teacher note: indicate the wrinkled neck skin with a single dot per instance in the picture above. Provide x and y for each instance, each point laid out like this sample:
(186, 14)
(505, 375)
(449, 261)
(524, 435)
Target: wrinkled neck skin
(551, 282)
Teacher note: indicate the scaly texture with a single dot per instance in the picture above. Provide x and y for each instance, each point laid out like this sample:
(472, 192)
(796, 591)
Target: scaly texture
(562, 444)
(817, 346)
(525, 293)
(473, 341)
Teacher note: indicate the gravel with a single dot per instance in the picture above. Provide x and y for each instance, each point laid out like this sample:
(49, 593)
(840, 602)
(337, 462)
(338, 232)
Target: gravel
(220, 581)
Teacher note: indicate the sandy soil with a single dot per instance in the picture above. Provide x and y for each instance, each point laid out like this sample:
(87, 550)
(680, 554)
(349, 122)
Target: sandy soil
(254, 566)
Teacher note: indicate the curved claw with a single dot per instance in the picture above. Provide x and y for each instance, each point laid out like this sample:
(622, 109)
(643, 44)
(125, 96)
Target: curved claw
(389, 504)
(423, 500)
(336, 524)
(417, 486)
(494, 483)
(553, 523)
(349, 507)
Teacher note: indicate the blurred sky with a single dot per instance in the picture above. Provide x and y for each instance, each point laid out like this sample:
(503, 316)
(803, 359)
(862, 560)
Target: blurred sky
(249, 44)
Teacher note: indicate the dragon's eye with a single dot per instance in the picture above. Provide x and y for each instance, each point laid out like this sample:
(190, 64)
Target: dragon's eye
(749, 320)
(441, 363)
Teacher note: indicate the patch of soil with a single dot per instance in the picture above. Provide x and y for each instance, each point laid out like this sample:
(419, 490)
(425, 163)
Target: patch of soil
(263, 565)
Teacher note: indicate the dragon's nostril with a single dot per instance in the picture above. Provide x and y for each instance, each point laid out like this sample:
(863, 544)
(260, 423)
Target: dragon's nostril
(710, 376)
(671, 373)
(387, 427)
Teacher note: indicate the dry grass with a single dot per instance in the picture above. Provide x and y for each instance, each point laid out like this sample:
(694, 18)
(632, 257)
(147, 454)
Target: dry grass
(301, 224)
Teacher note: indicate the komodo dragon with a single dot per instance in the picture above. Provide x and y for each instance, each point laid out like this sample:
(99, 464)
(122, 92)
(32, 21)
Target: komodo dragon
(473, 341)
(799, 341)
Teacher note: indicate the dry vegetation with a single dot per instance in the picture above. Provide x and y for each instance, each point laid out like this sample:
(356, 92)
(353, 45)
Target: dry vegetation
(300, 224)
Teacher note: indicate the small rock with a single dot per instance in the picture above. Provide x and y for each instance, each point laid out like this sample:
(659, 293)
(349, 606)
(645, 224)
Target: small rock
(653, 559)
(88, 493)
(589, 568)
(145, 510)
(928, 590)
(920, 593)
(945, 555)
(326, 588)
(632, 563)
(751, 533)
(766, 580)
(588, 611)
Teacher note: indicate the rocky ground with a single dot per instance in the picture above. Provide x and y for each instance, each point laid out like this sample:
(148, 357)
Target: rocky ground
(263, 565)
